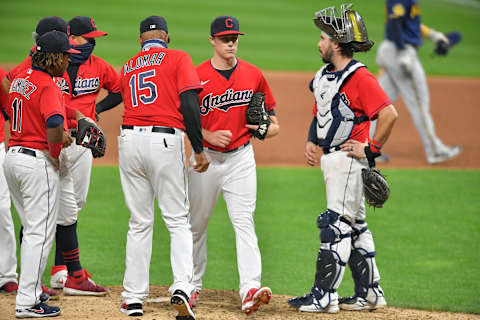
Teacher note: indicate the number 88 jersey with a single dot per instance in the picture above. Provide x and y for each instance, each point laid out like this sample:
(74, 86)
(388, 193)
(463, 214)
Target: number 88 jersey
(151, 83)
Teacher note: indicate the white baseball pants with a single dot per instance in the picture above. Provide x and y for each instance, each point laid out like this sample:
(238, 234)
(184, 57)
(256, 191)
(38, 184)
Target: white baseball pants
(152, 165)
(8, 244)
(234, 175)
(414, 91)
(34, 187)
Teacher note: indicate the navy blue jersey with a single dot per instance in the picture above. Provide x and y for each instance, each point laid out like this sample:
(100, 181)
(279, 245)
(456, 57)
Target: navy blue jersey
(403, 22)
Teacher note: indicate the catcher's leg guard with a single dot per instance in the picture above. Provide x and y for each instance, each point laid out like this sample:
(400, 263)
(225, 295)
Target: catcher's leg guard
(368, 294)
(333, 255)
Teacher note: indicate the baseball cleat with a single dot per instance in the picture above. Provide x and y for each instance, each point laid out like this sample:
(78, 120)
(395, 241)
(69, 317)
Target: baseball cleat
(450, 153)
(355, 303)
(58, 277)
(255, 298)
(194, 298)
(81, 284)
(181, 303)
(40, 310)
(132, 309)
(9, 287)
(52, 294)
(308, 303)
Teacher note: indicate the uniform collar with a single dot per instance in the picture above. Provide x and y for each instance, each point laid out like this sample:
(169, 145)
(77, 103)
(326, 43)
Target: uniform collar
(154, 43)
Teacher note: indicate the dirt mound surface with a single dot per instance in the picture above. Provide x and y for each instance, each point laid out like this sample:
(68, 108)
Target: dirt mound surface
(214, 304)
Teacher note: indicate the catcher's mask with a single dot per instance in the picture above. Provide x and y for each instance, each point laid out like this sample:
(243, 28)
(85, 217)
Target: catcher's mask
(345, 28)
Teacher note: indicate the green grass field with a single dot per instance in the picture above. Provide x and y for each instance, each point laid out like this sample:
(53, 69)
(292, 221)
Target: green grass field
(280, 33)
(427, 237)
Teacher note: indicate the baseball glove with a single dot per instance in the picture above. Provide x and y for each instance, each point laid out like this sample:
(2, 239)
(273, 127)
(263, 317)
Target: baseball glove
(257, 115)
(375, 187)
(442, 47)
(90, 136)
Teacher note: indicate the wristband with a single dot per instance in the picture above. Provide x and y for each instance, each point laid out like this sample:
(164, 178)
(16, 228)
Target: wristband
(374, 146)
(55, 148)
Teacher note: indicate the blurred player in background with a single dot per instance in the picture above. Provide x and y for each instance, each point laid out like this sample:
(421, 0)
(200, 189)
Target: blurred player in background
(404, 74)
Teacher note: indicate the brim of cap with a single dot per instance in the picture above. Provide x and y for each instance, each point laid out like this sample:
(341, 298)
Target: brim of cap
(73, 42)
(228, 32)
(94, 34)
(71, 50)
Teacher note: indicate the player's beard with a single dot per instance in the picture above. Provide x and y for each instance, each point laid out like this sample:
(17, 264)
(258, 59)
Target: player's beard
(327, 56)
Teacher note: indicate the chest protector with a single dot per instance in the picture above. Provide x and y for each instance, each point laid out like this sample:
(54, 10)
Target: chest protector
(335, 118)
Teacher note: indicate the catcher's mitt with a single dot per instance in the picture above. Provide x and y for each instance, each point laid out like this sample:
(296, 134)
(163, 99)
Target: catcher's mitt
(375, 187)
(442, 48)
(257, 115)
(90, 136)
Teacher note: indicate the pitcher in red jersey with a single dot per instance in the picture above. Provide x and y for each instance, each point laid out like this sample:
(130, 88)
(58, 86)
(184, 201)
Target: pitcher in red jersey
(228, 85)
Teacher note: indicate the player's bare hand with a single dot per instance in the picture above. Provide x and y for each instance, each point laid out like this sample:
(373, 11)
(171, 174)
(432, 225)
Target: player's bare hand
(311, 154)
(218, 138)
(67, 139)
(201, 162)
(354, 148)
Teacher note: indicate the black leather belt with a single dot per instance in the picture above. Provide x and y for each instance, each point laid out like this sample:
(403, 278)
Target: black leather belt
(330, 150)
(233, 150)
(154, 129)
(27, 152)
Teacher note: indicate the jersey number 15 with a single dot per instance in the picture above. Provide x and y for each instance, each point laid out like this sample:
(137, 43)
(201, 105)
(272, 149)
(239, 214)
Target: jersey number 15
(140, 82)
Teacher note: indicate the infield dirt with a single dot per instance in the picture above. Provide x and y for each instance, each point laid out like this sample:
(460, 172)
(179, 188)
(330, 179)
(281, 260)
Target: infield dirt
(214, 304)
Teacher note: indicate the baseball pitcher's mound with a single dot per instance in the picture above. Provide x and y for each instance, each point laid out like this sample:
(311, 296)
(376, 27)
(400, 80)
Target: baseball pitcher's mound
(213, 304)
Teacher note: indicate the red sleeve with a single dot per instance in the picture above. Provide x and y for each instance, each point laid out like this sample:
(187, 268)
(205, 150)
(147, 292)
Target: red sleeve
(376, 99)
(264, 87)
(111, 79)
(3, 95)
(51, 102)
(27, 63)
(187, 77)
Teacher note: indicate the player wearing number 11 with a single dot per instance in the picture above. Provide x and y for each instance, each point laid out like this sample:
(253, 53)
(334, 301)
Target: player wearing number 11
(159, 89)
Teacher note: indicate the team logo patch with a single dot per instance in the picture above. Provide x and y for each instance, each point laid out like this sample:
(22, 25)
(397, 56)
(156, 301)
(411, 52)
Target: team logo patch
(225, 101)
(86, 86)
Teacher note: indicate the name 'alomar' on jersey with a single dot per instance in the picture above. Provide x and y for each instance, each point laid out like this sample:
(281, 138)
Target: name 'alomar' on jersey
(225, 100)
(144, 61)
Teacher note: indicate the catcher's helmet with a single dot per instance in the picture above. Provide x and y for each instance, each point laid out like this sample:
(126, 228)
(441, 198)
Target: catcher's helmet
(345, 28)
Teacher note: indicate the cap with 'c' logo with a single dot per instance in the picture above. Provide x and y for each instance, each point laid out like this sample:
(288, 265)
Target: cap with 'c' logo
(224, 25)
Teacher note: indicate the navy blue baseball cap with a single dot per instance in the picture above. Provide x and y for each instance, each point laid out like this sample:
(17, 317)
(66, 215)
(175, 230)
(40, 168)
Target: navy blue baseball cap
(55, 42)
(153, 23)
(224, 25)
(50, 24)
(85, 27)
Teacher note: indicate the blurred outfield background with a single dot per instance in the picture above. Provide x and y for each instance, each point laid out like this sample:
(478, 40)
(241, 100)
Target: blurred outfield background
(280, 33)
(427, 236)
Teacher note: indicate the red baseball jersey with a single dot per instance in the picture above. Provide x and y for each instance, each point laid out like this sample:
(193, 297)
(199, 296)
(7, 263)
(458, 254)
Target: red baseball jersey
(92, 75)
(151, 83)
(34, 97)
(365, 97)
(3, 106)
(26, 64)
(223, 103)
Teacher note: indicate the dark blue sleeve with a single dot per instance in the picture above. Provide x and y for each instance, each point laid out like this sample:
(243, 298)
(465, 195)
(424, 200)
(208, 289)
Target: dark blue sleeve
(55, 121)
(394, 32)
(310, 86)
(312, 132)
